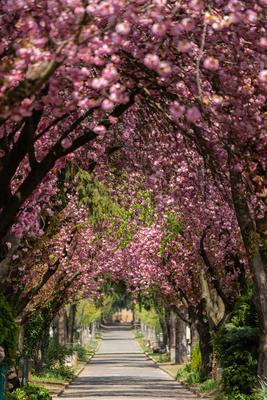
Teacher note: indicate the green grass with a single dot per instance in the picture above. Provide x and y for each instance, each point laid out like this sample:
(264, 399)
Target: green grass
(48, 378)
(84, 352)
(186, 375)
(208, 386)
(157, 357)
(184, 372)
(161, 358)
(143, 347)
(139, 335)
(93, 345)
(193, 378)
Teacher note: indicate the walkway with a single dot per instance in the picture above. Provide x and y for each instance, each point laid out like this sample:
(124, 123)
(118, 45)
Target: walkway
(121, 371)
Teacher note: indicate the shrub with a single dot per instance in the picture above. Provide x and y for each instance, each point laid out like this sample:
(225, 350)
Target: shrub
(236, 346)
(62, 372)
(36, 392)
(235, 396)
(18, 394)
(221, 396)
(240, 374)
(56, 374)
(81, 351)
(56, 354)
(193, 378)
(236, 349)
(188, 367)
(196, 358)
(261, 393)
(208, 385)
(183, 372)
(8, 331)
(239, 396)
(29, 392)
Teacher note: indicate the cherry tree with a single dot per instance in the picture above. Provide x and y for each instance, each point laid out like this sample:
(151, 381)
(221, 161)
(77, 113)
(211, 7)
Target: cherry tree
(154, 81)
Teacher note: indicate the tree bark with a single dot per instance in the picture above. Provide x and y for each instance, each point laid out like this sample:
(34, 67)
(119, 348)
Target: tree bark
(62, 326)
(194, 336)
(178, 347)
(206, 349)
(165, 329)
(71, 324)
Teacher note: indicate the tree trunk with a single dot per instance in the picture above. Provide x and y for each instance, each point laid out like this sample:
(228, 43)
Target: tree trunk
(168, 326)
(194, 337)
(254, 238)
(60, 327)
(205, 344)
(181, 342)
(172, 337)
(93, 330)
(178, 347)
(38, 358)
(71, 324)
(165, 331)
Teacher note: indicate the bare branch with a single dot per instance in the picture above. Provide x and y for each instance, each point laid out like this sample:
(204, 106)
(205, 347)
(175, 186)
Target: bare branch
(200, 55)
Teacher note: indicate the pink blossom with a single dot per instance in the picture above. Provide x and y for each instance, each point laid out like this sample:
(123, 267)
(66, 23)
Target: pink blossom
(263, 76)
(100, 129)
(177, 110)
(263, 42)
(196, 5)
(193, 114)
(159, 29)
(123, 28)
(115, 59)
(211, 64)
(113, 120)
(238, 167)
(126, 134)
(184, 46)
(66, 143)
(187, 24)
(79, 11)
(160, 3)
(152, 61)
(99, 83)
(110, 73)
(107, 105)
(164, 69)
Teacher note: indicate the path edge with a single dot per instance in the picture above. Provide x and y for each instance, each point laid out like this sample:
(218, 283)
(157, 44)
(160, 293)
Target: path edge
(161, 367)
(78, 372)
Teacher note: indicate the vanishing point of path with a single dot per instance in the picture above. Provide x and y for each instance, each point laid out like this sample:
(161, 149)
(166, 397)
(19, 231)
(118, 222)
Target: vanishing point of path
(121, 371)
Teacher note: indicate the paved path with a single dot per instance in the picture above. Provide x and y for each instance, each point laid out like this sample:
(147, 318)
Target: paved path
(121, 371)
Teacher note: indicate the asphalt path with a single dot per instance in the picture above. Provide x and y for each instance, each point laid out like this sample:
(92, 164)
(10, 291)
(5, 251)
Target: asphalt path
(120, 370)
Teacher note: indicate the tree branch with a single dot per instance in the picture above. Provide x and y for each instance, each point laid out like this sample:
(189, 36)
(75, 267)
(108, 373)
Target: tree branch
(25, 300)
(17, 154)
